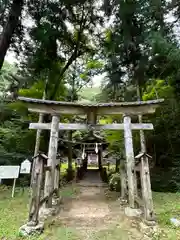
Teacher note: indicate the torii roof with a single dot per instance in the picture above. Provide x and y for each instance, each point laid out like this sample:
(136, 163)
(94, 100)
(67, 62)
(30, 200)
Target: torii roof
(59, 107)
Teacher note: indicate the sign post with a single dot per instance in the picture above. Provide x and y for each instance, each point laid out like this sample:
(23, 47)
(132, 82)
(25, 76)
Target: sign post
(10, 172)
(13, 189)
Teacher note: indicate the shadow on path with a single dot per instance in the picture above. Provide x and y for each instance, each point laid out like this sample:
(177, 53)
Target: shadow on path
(92, 178)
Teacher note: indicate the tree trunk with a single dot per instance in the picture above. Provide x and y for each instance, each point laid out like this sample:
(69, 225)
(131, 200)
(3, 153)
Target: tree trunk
(70, 168)
(9, 28)
(70, 151)
(117, 164)
(100, 157)
(38, 136)
(142, 136)
(70, 173)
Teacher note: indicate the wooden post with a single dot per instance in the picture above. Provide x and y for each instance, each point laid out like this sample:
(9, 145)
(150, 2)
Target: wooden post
(100, 157)
(33, 189)
(144, 173)
(123, 180)
(52, 152)
(56, 179)
(70, 155)
(135, 183)
(145, 179)
(146, 189)
(14, 185)
(129, 159)
(76, 166)
(36, 191)
(37, 146)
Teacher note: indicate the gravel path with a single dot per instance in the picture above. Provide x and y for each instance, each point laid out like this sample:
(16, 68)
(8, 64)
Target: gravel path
(95, 217)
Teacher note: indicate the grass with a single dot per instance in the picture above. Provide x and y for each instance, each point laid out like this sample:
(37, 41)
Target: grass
(64, 167)
(113, 233)
(167, 206)
(60, 233)
(14, 213)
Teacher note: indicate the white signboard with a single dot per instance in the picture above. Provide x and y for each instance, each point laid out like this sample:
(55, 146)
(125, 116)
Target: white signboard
(9, 172)
(25, 167)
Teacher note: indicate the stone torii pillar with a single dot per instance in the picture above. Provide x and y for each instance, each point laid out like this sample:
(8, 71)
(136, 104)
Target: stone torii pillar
(51, 163)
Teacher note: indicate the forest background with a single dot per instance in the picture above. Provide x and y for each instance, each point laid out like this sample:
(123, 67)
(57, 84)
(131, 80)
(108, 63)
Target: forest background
(60, 50)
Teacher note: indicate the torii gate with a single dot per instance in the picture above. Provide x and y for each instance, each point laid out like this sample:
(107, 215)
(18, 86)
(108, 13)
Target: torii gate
(127, 109)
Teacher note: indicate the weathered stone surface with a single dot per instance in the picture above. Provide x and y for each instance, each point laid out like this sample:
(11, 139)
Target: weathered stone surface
(27, 230)
(150, 231)
(150, 223)
(144, 228)
(132, 212)
(44, 213)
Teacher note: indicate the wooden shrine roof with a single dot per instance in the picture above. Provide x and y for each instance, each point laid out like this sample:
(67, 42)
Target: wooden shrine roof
(47, 106)
(92, 137)
(86, 104)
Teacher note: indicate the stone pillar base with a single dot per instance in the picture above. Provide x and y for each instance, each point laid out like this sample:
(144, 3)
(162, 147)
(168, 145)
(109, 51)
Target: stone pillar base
(150, 223)
(29, 229)
(152, 231)
(133, 212)
(44, 213)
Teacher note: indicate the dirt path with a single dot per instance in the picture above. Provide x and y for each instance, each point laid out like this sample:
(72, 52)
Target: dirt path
(94, 216)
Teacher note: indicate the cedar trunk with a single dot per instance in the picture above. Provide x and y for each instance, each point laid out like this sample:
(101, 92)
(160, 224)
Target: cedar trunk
(70, 151)
(38, 137)
(9, 28)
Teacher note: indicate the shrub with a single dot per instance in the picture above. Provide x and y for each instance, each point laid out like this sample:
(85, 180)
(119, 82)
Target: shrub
(115, 182)
(110, 173)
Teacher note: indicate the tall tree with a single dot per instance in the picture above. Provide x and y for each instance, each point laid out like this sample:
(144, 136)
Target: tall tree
(61, 34)
(9, 27)
(129, 41)
(145, 46)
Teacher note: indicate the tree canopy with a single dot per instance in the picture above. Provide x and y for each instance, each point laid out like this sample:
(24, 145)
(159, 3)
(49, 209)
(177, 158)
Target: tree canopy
(61, 45)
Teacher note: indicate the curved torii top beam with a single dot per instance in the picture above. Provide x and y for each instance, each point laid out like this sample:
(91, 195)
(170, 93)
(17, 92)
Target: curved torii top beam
(75, 108)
